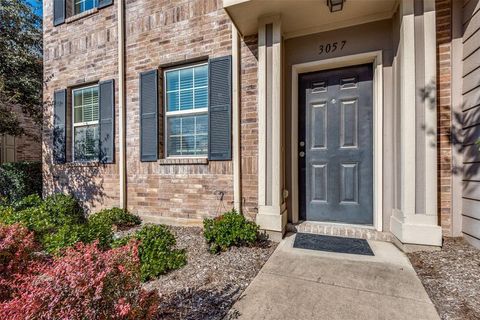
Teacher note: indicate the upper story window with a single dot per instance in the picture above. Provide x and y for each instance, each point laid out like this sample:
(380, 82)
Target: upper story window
(83, 5)
(186, 111)
(85, 123)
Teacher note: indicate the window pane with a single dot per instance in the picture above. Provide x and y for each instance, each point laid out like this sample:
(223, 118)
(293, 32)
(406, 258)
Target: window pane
(186, 99)
(186, 78)
(86, 101)
(172, 101)
(89, 4)
(188, 125)
(201, 98)
(174, 146)
(172, 80)
(188, 145)
(187, 89)
(86, 143)
(201, 146)
(78, 115)
(175, 126)
(78, 7)
(84, 5)
(201, 76)
(191, 139)
(77, 98)
(202, 124)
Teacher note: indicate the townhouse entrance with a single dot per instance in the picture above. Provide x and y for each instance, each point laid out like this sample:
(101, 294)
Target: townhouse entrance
(336, 145)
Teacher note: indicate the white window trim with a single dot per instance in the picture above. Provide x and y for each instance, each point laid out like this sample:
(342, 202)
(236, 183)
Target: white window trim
(190, 112)
(82, 124)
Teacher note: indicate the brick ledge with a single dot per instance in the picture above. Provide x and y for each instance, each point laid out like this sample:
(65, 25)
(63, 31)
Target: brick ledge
(183, 161)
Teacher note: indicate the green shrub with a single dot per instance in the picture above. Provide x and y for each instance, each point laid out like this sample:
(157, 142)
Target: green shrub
(156, 251)
(57, 222)
(33, 200)
(120, 218)
(47, 216)
(101, 231)
(19, 179)
(64, 209)
(64, 237)
(230, 229)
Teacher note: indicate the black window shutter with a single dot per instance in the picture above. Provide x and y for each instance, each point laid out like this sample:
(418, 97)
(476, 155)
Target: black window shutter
(220, 108)
(106, 91)
(58, 12)
(148, 116)
(104, 3)
(59, 129)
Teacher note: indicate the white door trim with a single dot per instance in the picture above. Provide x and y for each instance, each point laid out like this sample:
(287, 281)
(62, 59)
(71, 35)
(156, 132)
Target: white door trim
(374, 57)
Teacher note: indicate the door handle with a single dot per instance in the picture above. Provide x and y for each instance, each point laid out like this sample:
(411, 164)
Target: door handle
(301, 154)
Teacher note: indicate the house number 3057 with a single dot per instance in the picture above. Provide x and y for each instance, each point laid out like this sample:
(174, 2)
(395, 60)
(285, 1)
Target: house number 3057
(331, 47)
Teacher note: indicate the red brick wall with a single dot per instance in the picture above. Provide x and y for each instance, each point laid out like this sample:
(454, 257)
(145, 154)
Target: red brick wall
(444, 114)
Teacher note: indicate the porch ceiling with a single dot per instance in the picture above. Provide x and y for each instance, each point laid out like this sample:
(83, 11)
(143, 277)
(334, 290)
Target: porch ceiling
(300, 17)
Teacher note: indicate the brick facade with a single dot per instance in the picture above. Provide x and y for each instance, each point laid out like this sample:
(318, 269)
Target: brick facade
(249, 125)
(444, 113)
(159, 34)
(83, 51)
(28, 147)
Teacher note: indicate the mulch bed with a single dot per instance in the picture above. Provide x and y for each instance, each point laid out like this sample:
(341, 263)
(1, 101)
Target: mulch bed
(209, 284)
(451, 278)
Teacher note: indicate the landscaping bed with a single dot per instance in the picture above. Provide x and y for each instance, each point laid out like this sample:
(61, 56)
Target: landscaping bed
(451, 277)
(208, 285)
(58, 263)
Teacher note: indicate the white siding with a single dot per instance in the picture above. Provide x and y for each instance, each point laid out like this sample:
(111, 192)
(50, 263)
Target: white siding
(471, 121)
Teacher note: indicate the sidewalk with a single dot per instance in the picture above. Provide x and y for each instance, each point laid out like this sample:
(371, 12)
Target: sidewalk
(305, 284)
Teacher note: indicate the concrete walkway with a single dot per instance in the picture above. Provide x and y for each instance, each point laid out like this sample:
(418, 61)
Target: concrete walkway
(305, 284)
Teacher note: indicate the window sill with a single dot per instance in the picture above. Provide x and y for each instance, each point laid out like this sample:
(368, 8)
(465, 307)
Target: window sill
(82, 164)
(185, 161)
(81, 15)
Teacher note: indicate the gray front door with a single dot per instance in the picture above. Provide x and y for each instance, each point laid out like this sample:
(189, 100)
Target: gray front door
(336, 145)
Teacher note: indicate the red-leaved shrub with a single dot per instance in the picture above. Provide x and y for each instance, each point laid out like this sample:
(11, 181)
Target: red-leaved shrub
(85, 283)
(16, 246)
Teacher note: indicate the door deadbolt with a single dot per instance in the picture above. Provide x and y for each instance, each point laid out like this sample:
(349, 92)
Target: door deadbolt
(302, 144)
(301, 154)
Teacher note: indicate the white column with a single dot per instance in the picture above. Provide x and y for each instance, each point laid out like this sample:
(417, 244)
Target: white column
(408, 225)
(271, 205)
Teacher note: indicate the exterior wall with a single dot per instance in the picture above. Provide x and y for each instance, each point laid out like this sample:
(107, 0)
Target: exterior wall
(28, 147)
(471, 121)
(79, 52)
(159, 34)
(359, 39)
(166, 33)
(444, 118)
(163, 34)
(249, 125)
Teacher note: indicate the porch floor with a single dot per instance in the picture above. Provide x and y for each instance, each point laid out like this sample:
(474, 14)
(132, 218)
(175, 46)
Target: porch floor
(306, 284)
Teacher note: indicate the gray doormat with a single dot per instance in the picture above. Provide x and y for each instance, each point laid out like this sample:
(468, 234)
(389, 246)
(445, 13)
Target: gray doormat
(332, 244)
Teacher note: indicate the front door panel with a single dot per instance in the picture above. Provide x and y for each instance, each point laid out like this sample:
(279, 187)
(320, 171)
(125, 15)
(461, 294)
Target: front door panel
(336, 145)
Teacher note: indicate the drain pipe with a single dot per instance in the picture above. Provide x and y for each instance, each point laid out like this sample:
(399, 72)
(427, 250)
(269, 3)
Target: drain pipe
(121, 103)
(237, 179)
